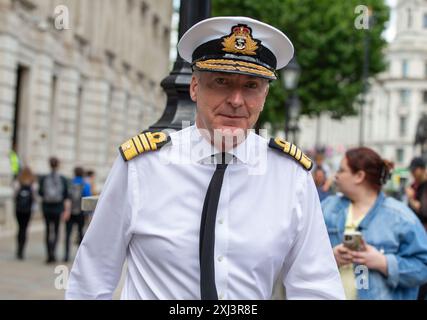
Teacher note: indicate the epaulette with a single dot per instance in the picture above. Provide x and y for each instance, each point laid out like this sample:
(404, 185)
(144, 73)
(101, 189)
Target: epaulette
(144, 142)
(293, 151)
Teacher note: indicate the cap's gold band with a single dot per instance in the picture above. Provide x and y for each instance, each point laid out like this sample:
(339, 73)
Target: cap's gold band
(235, 65)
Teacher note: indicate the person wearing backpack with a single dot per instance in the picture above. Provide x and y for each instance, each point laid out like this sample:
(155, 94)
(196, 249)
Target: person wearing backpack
(24, 199)
(79, 188)
(55, 203)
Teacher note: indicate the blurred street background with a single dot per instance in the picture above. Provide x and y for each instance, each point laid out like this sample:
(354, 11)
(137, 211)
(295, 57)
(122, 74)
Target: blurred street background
(32, 279)
(78, 78)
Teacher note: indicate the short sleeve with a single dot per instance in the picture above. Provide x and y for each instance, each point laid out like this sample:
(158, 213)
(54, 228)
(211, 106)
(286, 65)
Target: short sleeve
(310, 270)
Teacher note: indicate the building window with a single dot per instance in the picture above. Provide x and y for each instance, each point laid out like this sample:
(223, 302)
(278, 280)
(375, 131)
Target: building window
(425, 21)
(400, 155)
(126, 68)
(110, 57)
(387, 65)
(156, 22)
(402, 126)
(405, 68)
(166, 32)
(130, 5)
(409, 18)
(144, 9)
(425, 96)
(404, 97)
(425, 70)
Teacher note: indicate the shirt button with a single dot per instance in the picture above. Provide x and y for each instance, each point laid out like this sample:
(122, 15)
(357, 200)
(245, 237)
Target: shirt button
(220, 258)
(221, 296)
(220, 221)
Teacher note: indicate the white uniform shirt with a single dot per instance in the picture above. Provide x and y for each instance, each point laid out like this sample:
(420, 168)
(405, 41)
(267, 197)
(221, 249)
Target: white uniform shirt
(268, 220)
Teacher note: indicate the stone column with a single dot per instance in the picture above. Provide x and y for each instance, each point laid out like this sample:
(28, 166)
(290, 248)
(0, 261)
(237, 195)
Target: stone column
(67, 103)
(93, 130)
(8, 76)
(133, 123)
(8, 67)
(118, 123)
(41, 133)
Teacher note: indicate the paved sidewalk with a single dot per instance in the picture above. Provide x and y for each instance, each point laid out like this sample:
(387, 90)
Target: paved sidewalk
(32, 279)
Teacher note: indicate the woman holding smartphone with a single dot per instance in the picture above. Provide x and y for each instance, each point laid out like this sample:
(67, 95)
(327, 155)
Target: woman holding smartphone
(391, 263)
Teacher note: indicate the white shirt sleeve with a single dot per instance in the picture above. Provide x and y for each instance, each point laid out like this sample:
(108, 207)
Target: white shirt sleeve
(100, 258)
(310, 270)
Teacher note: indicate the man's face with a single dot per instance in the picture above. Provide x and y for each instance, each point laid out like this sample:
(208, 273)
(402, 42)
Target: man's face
(319, 158)
(226, 101)
(418, 174)
(319, 178)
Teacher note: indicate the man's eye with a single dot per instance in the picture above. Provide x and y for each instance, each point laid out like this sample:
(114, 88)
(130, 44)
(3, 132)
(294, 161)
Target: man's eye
(252, 85)
(220, 80)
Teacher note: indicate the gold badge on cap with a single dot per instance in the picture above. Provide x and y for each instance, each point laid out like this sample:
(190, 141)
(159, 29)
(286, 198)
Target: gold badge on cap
(240, 41)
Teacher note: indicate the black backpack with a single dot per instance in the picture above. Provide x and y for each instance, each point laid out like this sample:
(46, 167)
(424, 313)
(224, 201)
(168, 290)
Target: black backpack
(53, 189)
(24, 199)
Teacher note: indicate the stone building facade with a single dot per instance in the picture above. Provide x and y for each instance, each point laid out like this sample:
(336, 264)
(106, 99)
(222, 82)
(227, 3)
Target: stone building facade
(398, 97)
(396, 100)
(77, 78)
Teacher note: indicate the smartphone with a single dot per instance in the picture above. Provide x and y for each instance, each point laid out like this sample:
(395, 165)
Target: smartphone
(353, 240)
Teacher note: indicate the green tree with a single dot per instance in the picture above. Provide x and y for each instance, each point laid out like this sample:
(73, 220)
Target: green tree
(328, 46)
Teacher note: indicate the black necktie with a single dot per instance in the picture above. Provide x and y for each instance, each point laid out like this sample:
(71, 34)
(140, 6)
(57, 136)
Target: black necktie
(207, 232)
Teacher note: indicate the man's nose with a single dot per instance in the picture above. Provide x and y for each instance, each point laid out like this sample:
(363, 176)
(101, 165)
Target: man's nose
(236, 98)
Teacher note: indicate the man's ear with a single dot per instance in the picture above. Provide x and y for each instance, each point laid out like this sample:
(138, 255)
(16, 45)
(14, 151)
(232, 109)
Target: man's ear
(267, 90)
(194, 87)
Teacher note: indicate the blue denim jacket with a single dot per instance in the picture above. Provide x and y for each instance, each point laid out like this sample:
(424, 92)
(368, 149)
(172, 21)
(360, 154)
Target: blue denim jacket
(392, 228)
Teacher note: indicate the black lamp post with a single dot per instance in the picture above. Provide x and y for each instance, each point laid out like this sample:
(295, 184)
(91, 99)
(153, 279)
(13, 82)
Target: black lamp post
(294, 112)
(290, 77)
(179, 106)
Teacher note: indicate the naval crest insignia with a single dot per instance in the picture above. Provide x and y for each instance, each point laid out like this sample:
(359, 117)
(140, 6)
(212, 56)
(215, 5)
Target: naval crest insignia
(240, 41)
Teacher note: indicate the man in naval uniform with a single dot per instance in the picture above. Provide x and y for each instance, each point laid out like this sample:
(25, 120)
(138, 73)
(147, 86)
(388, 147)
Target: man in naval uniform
(213, 211)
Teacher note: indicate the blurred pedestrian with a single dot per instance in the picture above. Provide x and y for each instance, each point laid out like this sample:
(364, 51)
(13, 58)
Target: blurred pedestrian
(394, 244)
(319, 162)
(90, 177)
(53, 188)
(15, 162)
(416, 193)
(79, 188)
(24, 201)
(319, 176)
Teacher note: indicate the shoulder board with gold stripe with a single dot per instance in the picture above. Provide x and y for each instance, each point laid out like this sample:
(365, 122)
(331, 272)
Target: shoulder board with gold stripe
(293, 151)
(144, 142)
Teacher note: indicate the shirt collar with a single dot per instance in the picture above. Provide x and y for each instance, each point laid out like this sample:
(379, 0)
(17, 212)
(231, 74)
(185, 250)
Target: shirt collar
(202, 149)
